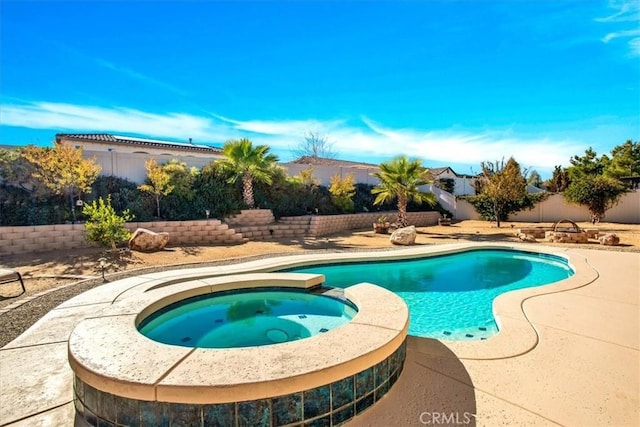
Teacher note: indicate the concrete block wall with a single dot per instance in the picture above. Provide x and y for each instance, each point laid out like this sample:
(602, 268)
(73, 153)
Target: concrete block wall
(330, 224)
(294, 226)
(42, 238)
(251, 217)
(202, 231)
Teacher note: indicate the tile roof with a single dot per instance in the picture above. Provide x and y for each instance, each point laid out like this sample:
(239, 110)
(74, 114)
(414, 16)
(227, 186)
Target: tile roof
(323, 161)
(129, 140)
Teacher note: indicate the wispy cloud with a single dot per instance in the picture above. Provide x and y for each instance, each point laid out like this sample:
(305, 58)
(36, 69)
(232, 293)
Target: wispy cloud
(82, 118)
(351, 140)
(625, 11)
(139, 76)
(124, 71)
(280, 128)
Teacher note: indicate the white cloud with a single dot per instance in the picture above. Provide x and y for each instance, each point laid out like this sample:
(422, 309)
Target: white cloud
(366, 139)
(285, 127)
(625, 11)
(620, 34)
(139, 76)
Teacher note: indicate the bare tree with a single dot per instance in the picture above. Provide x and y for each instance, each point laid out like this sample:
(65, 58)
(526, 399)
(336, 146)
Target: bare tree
(315, 146)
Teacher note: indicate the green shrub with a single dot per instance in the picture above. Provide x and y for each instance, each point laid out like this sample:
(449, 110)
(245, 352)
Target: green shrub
(104, 226)
(342, 190)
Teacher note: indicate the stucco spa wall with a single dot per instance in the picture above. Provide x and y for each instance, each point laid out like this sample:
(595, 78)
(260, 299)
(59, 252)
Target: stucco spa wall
(41, 238)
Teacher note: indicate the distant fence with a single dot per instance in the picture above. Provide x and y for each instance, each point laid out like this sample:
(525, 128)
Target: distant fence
(555, 208)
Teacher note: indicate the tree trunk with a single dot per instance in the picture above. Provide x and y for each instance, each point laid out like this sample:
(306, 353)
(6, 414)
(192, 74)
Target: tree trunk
(158, 205)
(496, 212)
(247, 190)
(73, 208)
(402, 212)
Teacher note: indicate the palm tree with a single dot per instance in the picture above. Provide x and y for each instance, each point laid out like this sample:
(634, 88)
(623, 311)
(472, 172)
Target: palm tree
(400, 179)
(250, 163)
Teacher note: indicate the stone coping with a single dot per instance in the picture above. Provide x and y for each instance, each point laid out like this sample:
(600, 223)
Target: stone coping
(107, 352)
(517, 335)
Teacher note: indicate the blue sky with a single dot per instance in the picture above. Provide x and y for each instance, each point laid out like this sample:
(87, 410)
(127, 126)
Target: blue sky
(451, 82)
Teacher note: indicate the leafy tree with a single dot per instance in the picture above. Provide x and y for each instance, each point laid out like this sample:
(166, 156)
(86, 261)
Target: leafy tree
(625, 161)
(17, 171)
(124, 195)
(591, 186)
(181, 203)
(400, 179)
(559, 180)
(598, 193)
(502, 184)
(159, 182)
(534, 179)
(215, 193)
(315, 147)
(587, 165)
(342, 191)
(483, 204)
(243, 160)
(305, 177)
(446, 184)
(63, 170)
(104, 226)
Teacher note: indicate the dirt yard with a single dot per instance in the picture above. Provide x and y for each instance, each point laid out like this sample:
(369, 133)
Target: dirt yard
(48, 270)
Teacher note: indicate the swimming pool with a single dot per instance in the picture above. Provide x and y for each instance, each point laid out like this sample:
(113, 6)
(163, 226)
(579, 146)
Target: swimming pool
(451, 296)
(246, 318)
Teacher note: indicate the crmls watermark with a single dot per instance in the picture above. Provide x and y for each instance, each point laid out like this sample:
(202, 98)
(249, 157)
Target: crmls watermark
(446, 418)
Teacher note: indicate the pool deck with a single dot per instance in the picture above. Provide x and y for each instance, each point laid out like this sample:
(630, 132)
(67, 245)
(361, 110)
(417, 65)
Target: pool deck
(576, 362)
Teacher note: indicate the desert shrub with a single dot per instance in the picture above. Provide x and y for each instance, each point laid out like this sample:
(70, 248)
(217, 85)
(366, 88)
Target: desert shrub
(21, 207)
(215, 193)
(124, 196)
(342, 190)
(104, 226)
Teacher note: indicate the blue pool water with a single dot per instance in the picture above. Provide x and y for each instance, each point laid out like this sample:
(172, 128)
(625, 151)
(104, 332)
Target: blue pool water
(246, 318)
(451, 296)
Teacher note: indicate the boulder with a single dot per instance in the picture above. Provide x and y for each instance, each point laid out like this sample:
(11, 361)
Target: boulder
(404, 236)
(144, 240)
(609, 239)
(527, 237)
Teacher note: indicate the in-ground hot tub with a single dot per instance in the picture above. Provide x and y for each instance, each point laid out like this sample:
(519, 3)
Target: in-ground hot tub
(125, 378)
(247, 318)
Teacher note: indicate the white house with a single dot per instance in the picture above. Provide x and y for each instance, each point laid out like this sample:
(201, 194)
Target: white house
(124, 156)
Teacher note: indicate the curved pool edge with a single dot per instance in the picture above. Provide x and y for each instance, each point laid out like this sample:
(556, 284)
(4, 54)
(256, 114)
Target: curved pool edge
(135, 367)
(517, 335)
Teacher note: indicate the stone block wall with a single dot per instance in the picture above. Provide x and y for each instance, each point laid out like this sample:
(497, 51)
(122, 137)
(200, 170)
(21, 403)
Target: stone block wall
(251, 217)
(42, 238)
(260, 226)
(330, 224)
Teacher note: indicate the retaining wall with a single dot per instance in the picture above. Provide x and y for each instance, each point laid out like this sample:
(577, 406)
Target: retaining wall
(255, 224)
(41, 238)
(322, 225)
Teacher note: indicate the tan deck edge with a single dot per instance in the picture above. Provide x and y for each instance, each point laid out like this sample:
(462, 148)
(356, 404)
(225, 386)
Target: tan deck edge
(517, 335)
(133, 366)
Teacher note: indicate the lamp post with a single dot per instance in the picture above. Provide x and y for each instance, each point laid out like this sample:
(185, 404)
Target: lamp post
(103, 266)
(207, 212)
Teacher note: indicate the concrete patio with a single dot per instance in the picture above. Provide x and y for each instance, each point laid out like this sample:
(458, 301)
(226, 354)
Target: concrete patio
(581, 365)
